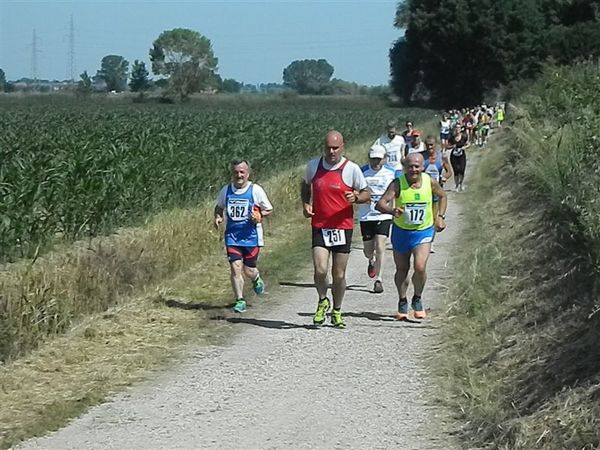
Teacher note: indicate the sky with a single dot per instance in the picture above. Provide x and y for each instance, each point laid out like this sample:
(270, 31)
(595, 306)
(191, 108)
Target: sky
(253, 40)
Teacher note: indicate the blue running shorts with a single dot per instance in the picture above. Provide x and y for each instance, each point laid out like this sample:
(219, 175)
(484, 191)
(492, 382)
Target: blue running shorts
(404, 241)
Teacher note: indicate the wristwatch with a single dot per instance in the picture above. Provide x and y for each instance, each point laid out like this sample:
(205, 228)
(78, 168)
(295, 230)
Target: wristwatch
(443, 216)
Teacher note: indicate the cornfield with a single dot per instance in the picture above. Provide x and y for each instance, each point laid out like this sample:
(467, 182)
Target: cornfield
(69, 170)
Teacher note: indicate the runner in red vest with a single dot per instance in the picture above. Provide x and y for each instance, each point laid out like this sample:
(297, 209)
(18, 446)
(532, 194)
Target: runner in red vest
(331, 185)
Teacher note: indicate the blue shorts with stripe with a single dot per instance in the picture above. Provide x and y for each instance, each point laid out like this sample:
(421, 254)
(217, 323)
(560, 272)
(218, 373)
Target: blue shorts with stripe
(404, 241)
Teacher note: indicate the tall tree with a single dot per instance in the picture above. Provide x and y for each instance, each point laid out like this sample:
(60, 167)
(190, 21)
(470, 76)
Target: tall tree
(186, 59)
(113, 71)
(231, 85)
(139, 81)
(84, 85)
(308, 76)
(2, 80)
(453, 51)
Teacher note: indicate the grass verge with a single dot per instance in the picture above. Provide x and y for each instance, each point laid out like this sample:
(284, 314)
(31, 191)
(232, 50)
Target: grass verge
(523, 361)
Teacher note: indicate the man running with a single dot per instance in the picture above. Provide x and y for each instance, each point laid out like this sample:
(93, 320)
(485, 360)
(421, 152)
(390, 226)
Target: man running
(393, 143)
(331, 185)
(409, 199)
(437, 166)
(375, 226)
(244, 204)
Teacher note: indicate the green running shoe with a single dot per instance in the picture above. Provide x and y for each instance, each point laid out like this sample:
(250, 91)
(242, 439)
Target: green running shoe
(259, 285)
(336, 319)
(322, 308)
(240, 305)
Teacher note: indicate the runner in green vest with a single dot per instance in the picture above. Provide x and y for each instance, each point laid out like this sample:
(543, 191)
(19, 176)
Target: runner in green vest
(409, 198)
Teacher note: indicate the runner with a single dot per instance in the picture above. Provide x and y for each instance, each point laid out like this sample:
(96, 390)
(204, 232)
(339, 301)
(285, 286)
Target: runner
(331, 185)
(393, 143)
(416, 144)
(437, 166)
(499, 115)
(413, 227)
(244, 204)
(407, 134)
(445, 125)
(375, 226)
(458, 157)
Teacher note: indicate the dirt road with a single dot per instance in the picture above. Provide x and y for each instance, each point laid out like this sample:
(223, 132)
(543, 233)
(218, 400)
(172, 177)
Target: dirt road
(281, 384)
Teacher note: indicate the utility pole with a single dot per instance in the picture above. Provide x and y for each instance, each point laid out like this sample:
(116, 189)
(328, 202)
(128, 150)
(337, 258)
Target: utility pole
(34, 59)
(71, 52)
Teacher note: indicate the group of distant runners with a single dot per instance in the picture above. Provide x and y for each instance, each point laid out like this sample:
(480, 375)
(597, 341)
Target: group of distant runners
(400, 191)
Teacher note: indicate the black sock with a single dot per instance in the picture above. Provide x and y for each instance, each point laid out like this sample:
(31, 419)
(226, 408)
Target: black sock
(403, 300)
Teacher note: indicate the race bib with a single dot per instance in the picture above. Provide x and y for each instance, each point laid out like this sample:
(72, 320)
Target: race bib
(392, 157)
(238, 209)
(333, 237)
(414, 213)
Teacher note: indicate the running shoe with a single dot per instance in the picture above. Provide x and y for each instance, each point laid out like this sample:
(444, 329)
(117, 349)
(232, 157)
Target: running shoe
(402, 313)
(322, 308)
(371, 270)
(336, 319)
(417, 306)
(378, 287)
(259, 285)
(240, 305)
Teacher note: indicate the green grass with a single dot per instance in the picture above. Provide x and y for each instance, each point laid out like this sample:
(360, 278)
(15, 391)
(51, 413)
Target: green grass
(522, 364)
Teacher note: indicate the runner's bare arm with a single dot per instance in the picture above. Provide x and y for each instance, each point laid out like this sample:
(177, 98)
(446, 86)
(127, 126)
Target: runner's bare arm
(218, 219)
(362, 196)
(383, 205)
(447, 168)
(439, 221)
(305, 194)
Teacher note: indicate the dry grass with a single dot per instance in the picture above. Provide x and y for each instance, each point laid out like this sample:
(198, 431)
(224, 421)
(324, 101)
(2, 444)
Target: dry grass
(166, 283)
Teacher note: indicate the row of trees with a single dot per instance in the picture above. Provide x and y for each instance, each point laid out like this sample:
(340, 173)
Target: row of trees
(454, 51)
(186, 63)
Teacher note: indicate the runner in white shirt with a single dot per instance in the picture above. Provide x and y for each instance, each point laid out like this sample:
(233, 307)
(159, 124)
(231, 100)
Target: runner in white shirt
(393, 144)
(374, 225)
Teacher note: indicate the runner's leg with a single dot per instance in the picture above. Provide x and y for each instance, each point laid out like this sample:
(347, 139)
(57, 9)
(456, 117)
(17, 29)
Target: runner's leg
(321, 263)
(380, 241)
(338, 272)
(237, 278)
(421, 254)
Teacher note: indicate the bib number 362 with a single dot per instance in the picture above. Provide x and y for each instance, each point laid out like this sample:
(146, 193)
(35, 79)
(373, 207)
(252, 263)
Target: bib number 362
(333, 237)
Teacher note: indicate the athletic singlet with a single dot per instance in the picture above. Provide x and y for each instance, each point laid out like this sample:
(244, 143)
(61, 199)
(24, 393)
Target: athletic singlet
(330, 207)
(417, 204)
(434, 169)
(240, 230)
(445, 126)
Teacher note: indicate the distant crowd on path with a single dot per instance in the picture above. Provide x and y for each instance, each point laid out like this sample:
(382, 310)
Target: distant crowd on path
(400, 193)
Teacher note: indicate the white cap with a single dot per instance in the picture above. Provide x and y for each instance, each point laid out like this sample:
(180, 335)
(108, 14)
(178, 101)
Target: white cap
(377, 151)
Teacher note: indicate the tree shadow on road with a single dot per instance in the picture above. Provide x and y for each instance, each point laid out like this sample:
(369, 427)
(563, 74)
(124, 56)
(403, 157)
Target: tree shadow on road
(265, 323)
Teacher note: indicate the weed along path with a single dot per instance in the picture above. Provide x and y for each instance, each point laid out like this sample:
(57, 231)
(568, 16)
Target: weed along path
(278, 383)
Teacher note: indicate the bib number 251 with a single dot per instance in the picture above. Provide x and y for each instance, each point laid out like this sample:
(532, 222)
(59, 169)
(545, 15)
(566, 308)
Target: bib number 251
(333, 237)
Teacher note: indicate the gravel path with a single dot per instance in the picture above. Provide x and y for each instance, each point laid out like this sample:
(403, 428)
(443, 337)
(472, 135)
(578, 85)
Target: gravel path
(280, 384)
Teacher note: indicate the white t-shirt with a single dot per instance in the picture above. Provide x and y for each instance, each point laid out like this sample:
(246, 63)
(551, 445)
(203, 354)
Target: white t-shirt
(351, 174)
(378, 181)
(419, 149)
(394, 148)
(445, 126)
